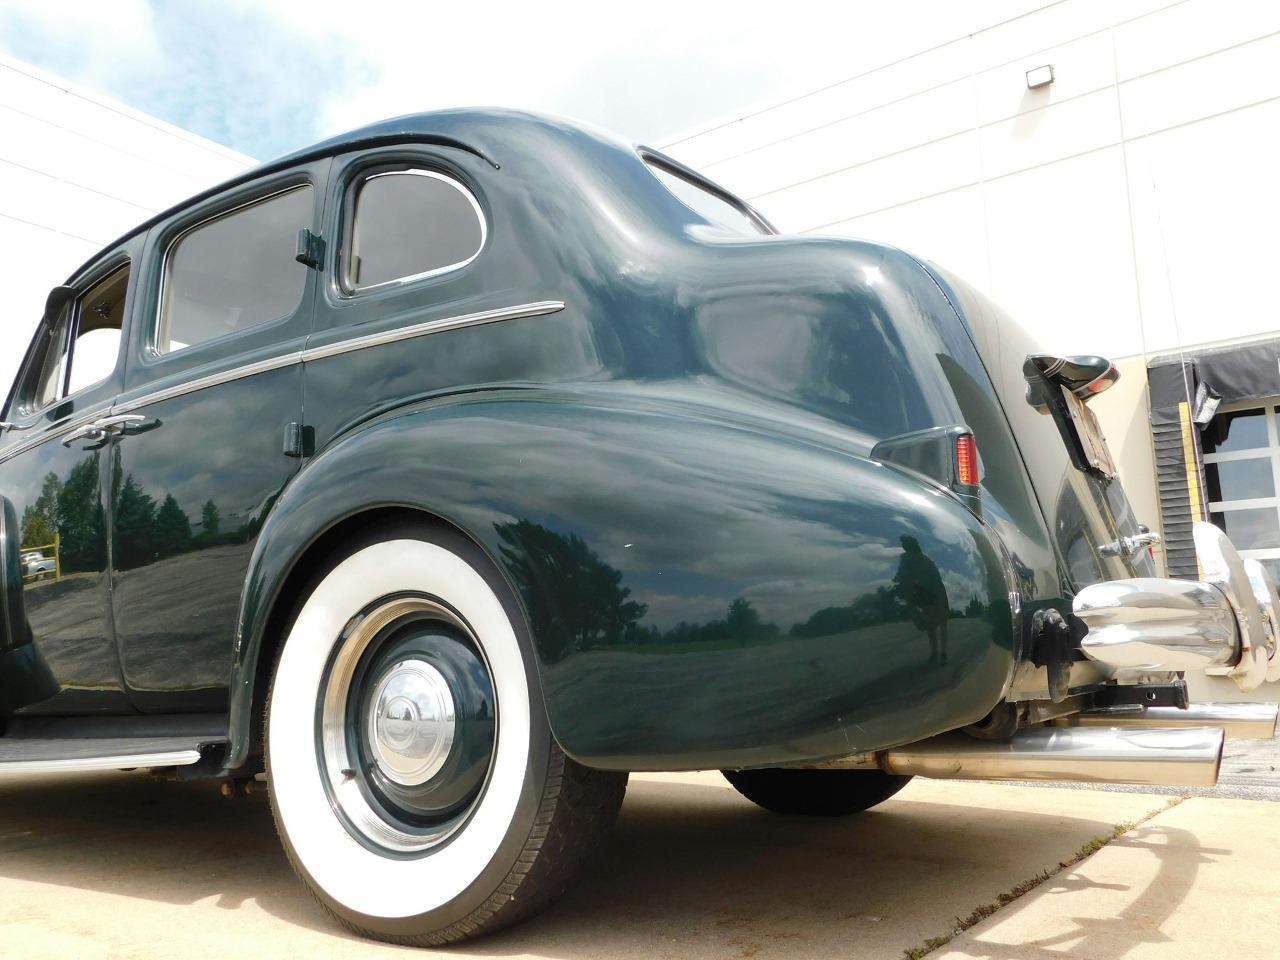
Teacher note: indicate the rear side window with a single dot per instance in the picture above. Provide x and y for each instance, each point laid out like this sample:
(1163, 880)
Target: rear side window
(408, 224)
(710, 206)
(235, 272)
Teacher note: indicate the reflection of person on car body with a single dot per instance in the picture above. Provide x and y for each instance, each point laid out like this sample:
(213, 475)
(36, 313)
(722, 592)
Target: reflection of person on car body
(919, 584)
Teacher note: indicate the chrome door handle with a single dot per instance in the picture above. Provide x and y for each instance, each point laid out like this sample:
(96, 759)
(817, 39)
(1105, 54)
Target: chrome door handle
(117, 424)
(99, 430)
(90, 431)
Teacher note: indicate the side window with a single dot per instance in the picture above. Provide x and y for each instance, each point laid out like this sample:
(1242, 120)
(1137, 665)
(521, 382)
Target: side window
(79, 347)
(712, 207)
(96, 341)
(235, 272)
(48, 364)
(407, 224)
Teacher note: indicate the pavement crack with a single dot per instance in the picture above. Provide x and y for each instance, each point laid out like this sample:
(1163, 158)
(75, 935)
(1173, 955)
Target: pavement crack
(1016, 892)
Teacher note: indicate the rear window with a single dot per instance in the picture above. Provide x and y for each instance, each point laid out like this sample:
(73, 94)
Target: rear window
(409, 224)
(723, 211)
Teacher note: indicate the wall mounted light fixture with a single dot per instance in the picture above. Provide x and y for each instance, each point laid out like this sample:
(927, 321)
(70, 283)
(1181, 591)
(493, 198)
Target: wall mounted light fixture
(1038, 77)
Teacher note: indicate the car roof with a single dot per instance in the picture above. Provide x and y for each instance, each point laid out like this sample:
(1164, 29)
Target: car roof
(481, 131)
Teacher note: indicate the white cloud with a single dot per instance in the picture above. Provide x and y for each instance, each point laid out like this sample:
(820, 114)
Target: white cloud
(271, 75)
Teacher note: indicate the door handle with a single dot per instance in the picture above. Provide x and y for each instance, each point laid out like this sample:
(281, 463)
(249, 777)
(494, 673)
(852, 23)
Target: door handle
(98, 430)
(119, 423)
(90, 431)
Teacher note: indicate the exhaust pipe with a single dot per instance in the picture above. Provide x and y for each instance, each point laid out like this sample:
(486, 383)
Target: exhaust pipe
(1154, 757)
(1239, 721)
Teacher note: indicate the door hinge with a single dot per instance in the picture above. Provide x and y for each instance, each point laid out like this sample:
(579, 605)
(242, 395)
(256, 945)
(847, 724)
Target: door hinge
(310, 249)
(299, 440)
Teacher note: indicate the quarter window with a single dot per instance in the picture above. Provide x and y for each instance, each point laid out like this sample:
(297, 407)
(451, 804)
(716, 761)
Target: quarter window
(234, 273)
(711, 207)
(407, 224)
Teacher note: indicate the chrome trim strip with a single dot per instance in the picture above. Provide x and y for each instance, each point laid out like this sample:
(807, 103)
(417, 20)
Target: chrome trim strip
(433, 326)
(168, 758)
(349, 345)
(212, 380)
(30, 443)
(443, 324)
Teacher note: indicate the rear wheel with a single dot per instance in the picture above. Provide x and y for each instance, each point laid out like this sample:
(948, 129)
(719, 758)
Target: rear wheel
(414, 780)
(815, 793)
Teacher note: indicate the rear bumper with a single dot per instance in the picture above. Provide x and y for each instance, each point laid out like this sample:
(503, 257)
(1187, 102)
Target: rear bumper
(1226, 624)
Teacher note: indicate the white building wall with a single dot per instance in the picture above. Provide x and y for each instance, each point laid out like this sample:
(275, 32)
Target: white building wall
(77, 170)
(1129, 208)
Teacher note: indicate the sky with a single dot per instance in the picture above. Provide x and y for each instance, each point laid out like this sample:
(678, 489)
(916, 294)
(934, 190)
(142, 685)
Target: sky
(269, 76)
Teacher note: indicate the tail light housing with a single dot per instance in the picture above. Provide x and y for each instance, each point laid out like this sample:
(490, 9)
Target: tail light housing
(947, 455)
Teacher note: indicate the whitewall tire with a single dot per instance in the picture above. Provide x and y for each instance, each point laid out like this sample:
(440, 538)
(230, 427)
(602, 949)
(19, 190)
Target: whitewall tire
(413, 777)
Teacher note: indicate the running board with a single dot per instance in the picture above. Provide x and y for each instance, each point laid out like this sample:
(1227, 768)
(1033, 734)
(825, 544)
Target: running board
(109, 753)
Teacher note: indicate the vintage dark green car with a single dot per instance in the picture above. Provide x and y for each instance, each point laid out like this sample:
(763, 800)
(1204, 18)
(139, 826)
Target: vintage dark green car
(455, 467)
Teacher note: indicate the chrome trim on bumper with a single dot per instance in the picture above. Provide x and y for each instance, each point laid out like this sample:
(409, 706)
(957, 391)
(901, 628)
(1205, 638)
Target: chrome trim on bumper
(1264, 592)
(1227, 624)
(1149, 625)
(1221, 566)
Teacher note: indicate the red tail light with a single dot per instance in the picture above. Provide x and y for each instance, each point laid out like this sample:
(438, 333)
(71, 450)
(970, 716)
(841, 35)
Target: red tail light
(966, 459)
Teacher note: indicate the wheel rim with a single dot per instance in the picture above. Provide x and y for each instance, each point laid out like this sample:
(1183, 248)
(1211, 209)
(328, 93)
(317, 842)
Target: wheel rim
(406, 725)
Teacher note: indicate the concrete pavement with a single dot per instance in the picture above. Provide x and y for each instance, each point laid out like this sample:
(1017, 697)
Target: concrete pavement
(119, 866)
(1195, 881)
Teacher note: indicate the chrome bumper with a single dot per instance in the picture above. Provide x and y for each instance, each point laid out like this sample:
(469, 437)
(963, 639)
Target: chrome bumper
(1227, 624)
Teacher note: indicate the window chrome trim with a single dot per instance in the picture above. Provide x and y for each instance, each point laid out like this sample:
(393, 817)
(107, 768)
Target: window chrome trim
(348, 253)
(151, 349)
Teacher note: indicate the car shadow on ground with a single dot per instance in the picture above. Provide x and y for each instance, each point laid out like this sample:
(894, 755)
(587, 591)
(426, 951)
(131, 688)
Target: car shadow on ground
(692, 869)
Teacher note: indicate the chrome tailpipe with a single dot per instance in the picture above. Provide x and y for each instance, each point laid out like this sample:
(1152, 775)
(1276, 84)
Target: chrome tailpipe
(1154, 757)
(1239, 721)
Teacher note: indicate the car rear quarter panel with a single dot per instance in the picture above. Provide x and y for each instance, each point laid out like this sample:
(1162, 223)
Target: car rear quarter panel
(699, 592)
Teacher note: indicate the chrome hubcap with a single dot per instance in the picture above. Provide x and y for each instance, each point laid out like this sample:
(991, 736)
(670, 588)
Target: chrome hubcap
(406, 724)
(411, 723)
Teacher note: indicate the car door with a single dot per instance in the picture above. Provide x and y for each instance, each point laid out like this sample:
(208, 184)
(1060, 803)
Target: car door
(423, 271)
(214, 384)
(59, 654)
